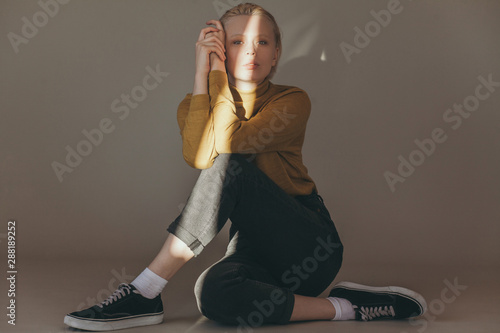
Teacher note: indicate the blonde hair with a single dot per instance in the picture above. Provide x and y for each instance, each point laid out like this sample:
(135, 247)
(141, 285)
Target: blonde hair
(253, 9)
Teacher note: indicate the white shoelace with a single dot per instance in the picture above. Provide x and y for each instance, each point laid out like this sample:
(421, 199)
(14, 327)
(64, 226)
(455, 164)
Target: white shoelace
(123, 289)
(370, 313)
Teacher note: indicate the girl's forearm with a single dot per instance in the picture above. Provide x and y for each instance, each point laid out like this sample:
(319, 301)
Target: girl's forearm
(201, 80)
(200, 84)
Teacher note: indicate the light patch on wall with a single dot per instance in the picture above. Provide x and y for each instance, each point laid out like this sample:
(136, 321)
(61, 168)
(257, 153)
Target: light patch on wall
(299, 35)
(323, 56)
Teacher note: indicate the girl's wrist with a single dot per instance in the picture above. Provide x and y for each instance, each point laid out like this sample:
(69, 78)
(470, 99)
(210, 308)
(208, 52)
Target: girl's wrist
(216, 63)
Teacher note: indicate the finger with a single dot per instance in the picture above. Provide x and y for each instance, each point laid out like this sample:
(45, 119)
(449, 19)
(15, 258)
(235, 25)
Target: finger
(204, 31)
(211, 40)
(217, 24)
(216, 39)
(214, 48)
(211, 46)
(212, 33)
(220, 52)
(221, 55)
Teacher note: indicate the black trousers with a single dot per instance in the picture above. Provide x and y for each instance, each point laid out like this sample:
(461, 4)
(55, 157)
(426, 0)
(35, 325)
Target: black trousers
(279, 245)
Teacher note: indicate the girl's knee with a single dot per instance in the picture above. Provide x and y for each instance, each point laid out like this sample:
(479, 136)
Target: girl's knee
(215, 292)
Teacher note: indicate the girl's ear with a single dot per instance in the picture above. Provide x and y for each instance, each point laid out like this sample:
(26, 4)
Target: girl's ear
(275, 59)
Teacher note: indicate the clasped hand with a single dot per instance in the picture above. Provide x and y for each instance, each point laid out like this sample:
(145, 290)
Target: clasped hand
(211, 40)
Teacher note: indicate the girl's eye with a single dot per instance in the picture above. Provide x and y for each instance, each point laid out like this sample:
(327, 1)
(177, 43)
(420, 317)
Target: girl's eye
(237, 42)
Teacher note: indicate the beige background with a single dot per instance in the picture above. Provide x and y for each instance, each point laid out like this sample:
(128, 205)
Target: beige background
(118, 202)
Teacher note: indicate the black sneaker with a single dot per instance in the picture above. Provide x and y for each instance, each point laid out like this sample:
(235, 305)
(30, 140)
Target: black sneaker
(374, 303)
(125, 308)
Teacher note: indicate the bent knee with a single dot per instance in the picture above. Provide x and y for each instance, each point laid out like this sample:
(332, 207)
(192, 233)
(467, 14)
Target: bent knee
(216, 292)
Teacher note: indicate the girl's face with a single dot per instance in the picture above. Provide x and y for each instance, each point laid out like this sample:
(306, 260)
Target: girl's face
(250, 50)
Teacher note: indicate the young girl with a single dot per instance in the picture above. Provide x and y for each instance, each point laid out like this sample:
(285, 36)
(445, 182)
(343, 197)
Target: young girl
(246, 133)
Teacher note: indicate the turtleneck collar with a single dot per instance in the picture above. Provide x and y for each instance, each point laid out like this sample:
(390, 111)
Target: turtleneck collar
(259, 91)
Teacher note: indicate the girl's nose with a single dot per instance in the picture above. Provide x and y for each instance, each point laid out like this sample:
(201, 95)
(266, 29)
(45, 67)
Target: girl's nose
(250, 49)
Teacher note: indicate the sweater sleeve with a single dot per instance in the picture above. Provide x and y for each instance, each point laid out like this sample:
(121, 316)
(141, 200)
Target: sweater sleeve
(195, 122)
(274, 128)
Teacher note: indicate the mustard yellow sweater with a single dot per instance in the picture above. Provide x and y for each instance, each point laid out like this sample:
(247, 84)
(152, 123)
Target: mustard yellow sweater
(267, 123)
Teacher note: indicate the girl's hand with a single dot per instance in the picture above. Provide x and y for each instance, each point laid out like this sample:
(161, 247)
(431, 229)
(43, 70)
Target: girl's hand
(210, 40)
(221, 34)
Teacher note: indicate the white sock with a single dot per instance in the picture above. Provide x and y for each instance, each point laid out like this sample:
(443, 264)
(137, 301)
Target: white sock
(149, 283)
(343, 308)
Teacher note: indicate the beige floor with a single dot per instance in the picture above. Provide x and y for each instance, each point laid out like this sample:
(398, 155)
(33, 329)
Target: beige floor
(47, 290)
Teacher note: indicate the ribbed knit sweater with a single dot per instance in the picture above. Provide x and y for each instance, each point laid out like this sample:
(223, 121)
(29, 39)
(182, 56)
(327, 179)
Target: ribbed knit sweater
(266, 124)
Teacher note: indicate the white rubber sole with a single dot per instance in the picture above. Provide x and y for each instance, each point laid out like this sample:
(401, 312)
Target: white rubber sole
(393, 290)
(111, 325)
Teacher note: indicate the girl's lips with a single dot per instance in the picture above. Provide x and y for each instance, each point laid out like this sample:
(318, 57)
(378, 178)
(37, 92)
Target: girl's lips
(251, 66)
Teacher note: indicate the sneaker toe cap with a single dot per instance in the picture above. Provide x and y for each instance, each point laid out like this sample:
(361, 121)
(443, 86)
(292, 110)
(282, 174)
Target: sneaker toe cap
(90, 313)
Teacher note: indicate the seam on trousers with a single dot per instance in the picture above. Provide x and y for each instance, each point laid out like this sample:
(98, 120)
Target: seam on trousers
(188, 238)
(287, 311)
